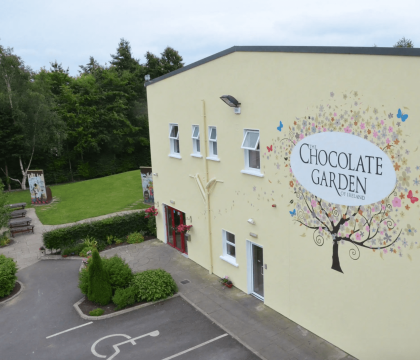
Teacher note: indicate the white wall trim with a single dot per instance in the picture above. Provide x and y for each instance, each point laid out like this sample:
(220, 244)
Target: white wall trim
(250, 172)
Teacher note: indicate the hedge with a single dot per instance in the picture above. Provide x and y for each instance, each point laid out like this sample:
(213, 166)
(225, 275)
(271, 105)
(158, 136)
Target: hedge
(117, 226)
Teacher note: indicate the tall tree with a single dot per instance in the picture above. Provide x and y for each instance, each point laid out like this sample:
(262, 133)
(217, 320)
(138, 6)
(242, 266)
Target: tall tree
(404, 43)
(170, 60)
(31, 110)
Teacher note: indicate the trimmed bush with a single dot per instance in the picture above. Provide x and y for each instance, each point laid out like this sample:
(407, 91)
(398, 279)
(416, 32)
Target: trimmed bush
(119, 272)
(124, 297)
(84, 281)
(85, 250)
(96, 312)
(118, 226)
(135, 238)
(99, 289)
(152, 285)
(8, 277)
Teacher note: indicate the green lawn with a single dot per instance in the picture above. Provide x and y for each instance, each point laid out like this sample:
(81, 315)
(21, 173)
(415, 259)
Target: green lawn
(86, 199)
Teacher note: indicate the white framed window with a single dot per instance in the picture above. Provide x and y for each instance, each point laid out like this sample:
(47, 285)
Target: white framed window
(213, 153)
(251, 146)
(174, 140)
(196, 141)
(229, 248)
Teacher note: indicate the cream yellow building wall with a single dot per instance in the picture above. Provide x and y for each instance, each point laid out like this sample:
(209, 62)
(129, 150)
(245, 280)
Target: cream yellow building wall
(370, 310)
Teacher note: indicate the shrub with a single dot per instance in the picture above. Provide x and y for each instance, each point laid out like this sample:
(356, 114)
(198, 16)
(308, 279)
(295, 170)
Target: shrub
(96, 312)
(8, 277)
(119, 241)
(74, 250)
(84, 281)
(119, 272)
(118, 226)
(135, 238)
(85, 251)
(152, 285)
(4, 240)
(90, 242)
(110, 239)
(99, 289)
(124, 297)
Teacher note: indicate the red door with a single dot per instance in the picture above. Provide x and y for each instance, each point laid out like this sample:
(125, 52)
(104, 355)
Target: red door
(174, 218)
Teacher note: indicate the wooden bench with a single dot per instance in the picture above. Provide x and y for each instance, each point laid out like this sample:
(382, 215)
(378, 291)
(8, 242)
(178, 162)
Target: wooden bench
(19, 222)
(22, 229)
(17, 214)
(17, 205)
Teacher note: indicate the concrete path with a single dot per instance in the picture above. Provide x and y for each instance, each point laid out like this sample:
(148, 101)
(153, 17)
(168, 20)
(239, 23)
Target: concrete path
(25, 250)
(268, 333)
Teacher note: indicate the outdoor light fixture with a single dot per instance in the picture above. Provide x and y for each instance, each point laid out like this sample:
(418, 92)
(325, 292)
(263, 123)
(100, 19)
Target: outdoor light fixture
(147, 77)
(251, 221)
(155, 174)
(232, 102)
(253, 235)
(172, 201)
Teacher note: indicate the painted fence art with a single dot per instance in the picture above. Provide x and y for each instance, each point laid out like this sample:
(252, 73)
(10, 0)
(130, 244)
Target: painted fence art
(37, 186)
(147, 184)
(332, 210)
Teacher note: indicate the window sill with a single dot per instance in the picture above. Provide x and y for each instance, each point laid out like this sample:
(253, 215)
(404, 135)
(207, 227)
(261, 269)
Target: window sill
(197, 155)
(213, 158)
(251, 172)
(229, 260)
(175, 156)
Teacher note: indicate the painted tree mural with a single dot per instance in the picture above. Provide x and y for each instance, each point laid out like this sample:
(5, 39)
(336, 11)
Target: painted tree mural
(378, 227)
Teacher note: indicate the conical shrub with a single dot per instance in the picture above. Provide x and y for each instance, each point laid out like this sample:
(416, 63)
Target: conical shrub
(99, 290)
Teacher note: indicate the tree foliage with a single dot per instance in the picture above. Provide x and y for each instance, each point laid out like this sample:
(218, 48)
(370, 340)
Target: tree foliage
(90, 125)
(404, 43)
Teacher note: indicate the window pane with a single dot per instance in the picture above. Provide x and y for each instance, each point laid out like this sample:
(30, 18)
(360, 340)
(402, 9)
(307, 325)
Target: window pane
(251, 140)
(213, 134)
(176, 146)
(214, 144)
(230, 250)
(230, 237)
(196, 132)
(174, 131)
(254, 159)
(197, 143)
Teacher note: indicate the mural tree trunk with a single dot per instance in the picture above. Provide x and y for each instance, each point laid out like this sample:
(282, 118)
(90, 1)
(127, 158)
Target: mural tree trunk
(335, 259)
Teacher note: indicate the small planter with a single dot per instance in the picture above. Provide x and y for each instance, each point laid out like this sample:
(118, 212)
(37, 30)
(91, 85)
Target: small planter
(64, 256)
(41, 252)
(228, 285)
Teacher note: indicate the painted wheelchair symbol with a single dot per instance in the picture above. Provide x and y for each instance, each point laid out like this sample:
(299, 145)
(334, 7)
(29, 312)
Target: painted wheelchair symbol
(116, 346)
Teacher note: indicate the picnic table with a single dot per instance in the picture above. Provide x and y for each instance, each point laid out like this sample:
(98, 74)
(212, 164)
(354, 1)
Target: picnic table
(18, 205)
(18, 213)
(17, 222)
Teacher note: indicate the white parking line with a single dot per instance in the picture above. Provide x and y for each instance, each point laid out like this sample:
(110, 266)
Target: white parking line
(69, 330)
(195, 347)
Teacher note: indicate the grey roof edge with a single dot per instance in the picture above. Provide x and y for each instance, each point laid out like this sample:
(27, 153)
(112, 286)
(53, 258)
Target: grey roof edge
(348, 50)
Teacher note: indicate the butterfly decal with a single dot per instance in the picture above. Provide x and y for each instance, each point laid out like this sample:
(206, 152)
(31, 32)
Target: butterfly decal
(281, 126)
(270, 148)
(293, 213)
(402, 116)
(411, 197)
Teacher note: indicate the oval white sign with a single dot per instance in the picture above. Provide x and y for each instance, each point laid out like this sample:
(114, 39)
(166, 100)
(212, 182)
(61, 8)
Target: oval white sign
(343, 169)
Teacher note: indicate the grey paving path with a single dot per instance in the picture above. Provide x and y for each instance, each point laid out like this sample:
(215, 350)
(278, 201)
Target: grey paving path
(25, 250)
(271, 335)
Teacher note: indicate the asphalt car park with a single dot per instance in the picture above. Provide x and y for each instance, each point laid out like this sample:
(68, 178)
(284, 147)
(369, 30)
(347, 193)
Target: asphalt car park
(41, 323)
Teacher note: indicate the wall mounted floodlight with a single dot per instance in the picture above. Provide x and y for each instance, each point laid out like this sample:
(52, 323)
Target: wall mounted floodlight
(232, 102)
(251, 221)
(147, 77)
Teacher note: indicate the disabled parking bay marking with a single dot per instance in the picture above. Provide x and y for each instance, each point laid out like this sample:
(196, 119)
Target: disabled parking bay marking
(116, 346)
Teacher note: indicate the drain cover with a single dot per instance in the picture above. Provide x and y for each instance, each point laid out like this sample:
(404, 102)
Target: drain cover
(185, 282)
